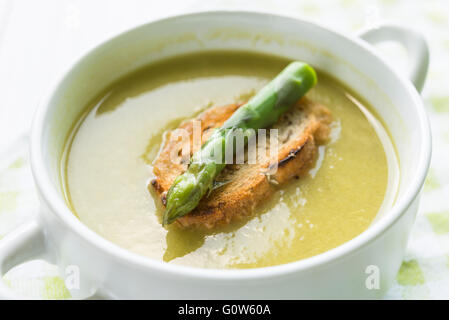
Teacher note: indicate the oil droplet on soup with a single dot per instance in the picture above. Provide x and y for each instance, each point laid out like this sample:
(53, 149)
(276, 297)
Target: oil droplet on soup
(108, 167)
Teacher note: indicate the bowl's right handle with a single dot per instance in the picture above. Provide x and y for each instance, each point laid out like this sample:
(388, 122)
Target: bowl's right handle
(414, 43)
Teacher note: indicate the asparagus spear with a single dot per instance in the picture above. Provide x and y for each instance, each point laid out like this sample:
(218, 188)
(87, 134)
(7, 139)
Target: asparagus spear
(262, 111)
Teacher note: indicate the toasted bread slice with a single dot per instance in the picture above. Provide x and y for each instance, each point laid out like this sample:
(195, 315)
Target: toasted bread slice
(300, 130)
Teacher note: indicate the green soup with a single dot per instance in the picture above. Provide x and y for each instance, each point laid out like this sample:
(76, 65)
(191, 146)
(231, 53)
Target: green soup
(108, 166)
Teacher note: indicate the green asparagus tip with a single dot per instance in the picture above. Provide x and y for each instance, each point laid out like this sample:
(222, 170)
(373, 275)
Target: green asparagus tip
(168, 216)
(262, 111)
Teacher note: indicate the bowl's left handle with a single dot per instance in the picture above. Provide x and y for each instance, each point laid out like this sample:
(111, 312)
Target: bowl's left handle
(25, 243)
(414, 43)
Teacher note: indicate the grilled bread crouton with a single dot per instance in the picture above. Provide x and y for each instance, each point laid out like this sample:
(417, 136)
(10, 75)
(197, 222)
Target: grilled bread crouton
(300, 130)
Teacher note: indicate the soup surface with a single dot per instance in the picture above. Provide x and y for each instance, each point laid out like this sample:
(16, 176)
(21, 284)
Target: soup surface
(108, 166)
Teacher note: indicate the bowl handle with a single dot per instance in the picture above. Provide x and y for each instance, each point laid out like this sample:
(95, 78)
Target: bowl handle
(414, 43)
(24, 243)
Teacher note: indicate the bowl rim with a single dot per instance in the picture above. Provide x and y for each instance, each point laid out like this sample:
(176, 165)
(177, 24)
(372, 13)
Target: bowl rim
(59, 208)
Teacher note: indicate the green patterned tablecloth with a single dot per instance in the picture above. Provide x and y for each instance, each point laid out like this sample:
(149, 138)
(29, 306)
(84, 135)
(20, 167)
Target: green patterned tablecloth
(424, 272)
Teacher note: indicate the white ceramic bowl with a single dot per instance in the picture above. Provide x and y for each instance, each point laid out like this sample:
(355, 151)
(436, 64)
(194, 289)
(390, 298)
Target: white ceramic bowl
(344, 272)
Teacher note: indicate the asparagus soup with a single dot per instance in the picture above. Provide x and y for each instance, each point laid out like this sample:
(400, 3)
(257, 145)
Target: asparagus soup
(109, 164)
